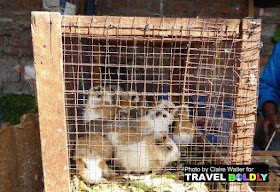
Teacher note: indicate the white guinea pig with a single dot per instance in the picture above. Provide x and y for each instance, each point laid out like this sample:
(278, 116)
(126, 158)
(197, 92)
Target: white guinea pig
(147, 153)
(156, 121)
(91, 155)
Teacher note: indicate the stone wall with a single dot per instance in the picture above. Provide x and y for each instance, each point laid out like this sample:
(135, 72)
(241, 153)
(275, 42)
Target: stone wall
(15, 43)
(174, 8)
(16, 48)
(270, 23)
(15, 35)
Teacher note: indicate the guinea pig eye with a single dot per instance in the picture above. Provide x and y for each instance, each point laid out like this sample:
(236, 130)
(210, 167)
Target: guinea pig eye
(98, 96)
(164, 115)
(169, 148)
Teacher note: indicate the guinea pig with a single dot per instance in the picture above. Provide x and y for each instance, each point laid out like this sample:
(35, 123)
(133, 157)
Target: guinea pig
(129, 98)
(157, 120)
(184, 129)
(91, 155)
(100, 104)
(126, 98)
(144, 153)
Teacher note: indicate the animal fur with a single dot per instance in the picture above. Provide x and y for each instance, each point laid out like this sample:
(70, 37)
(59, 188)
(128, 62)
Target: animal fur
(184, 129)
(143, 153)
(91, 155)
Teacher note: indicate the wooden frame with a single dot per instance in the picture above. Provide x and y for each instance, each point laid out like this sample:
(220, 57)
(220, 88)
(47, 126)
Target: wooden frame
(270, 158)
(146, 26)
(47, 30)
(47, 44)
(246, 107)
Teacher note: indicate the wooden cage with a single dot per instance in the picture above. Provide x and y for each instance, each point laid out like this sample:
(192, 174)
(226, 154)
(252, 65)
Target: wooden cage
(221, 54)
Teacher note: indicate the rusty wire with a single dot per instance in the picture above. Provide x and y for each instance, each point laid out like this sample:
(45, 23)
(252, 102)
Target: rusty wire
(201, 72)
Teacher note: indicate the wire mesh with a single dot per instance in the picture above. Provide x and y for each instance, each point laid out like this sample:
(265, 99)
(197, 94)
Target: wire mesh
(140, 104)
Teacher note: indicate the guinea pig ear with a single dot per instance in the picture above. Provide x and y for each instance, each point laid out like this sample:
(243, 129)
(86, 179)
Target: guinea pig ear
(169, 148)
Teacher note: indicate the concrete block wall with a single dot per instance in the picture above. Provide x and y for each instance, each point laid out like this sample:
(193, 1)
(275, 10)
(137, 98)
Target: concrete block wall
(15, 34)
(174, 8)
(16, 48)
(270, 23)
(15, 43)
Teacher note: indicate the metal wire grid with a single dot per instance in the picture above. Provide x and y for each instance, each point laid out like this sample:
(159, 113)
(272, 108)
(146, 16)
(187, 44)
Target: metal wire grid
(200, 72)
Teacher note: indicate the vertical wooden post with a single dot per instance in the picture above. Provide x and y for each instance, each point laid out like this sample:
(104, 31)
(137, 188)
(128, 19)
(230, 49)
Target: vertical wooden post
(246, 101)
(251, 8)
(47, 44)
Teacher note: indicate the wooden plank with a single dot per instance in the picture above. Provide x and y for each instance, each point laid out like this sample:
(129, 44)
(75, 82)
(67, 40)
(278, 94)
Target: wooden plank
(266, 153)
(267, 157)
(271, 161)
(47, 45)
(274, 179)
(21, 167)
(29, 168)
(149, 26)
(246, 101)
(272, 185)
(251, 8)
(8, 160)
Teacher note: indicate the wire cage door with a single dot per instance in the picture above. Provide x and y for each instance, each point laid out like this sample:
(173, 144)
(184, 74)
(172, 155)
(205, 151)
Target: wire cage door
(141, 97)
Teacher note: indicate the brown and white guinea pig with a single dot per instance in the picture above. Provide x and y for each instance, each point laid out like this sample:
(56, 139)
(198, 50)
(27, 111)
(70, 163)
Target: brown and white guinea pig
(156, 120)
(144, 153)
(184, 129)
(129, 98)
(100, 104)
(91, 155)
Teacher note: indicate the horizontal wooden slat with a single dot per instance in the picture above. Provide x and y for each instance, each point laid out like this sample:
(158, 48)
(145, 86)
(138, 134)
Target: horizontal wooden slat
(146, 26)
(266, 153)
